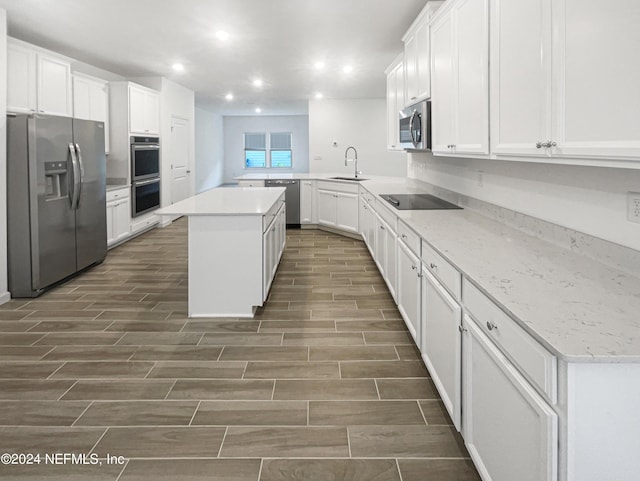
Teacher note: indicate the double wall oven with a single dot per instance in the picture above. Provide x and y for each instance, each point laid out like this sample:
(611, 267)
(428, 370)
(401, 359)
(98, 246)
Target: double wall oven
(145, 175)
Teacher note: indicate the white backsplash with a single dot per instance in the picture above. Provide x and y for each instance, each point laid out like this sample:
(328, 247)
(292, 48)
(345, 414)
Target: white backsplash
(475, 184)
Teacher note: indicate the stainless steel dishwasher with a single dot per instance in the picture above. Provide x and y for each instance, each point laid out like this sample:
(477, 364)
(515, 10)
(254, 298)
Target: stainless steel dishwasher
(291, 198)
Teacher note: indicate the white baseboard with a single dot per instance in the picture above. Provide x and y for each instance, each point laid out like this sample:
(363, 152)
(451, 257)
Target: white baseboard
(5, 297)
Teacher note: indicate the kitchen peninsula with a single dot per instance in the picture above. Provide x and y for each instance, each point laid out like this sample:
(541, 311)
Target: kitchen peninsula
(236, 239)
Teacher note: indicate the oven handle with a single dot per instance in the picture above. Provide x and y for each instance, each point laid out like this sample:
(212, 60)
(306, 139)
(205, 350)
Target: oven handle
(145, 147)
(146, 182)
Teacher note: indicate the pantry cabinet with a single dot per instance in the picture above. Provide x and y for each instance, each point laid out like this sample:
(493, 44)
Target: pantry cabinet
(460, 78)
(509, 430)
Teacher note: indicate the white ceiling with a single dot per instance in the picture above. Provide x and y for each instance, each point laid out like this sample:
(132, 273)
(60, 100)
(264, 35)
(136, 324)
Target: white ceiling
(276, 40)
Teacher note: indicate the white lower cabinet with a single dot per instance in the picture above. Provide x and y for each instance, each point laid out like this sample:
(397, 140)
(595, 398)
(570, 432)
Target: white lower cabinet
(118, 216)
(307, 190)
(338, 209)
(408, 290)
(385, 253)
(273, 242)
(441, 345)
(510, 431)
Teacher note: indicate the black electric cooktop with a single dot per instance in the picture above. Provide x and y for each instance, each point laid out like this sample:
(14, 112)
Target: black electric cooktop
(417, 202)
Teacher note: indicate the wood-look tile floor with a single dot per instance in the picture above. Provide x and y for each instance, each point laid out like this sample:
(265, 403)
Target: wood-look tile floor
(324, 383)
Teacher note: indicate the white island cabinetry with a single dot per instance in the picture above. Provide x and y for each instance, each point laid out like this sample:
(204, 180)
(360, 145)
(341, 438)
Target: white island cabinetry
(236, 238)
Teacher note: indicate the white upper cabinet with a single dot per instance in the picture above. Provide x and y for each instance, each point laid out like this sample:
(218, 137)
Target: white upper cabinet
(37, 81)
(54, 86)
(417, 81)
(144, 110)
(21, 79)
(520, 76)
(91, 101)
(395, 101)
(596, 91)
(564, 82)
(460, 78)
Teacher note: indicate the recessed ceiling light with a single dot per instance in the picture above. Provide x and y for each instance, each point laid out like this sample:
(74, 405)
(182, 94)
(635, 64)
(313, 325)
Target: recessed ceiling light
(258, 110)
(319, 65)
(257, 83)
(347, 69)
(229, 96)
(319, 95)
(222, 35)
(178, 67)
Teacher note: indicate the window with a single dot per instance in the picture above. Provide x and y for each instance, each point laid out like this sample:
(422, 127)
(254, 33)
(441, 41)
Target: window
(255, 150)
(277, 154)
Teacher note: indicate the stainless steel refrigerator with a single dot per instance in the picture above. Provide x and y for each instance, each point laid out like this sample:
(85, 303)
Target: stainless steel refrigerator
(56, 200)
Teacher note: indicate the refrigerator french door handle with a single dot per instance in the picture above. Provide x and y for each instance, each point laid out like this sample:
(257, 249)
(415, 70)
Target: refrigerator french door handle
(81, 169)
(74, 191)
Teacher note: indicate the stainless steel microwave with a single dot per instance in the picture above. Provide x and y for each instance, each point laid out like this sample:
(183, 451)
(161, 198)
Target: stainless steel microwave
(415, 127)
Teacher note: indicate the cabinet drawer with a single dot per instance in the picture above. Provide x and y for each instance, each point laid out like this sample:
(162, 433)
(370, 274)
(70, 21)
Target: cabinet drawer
(251, 183)
(409, 237)
(388, 216)
(272, 213)
(534, 361)
(117, 194)
(338, 186)
(366, 195)
(440, 268)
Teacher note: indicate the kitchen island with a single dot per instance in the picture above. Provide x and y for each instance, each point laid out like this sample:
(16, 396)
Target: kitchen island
(236, 239)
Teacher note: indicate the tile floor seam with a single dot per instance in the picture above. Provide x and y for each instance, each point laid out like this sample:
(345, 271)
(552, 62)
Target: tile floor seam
(422, 412)
(65, 393)
(82, 414)
(99, 439)
(56, 370)
(122, 470)
(349, 442)
(224, 437)
(146, 376)
(194, 412)
(170, 389)
(47, 353)
(399, 471)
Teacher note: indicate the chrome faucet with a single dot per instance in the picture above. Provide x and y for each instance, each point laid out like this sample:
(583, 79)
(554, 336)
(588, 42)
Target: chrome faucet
(357, 172)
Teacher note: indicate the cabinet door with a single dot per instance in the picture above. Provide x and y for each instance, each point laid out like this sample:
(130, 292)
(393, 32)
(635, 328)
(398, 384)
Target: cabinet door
(390, 259)
(471, 77)
(409, 290)
(423, 66)
(443, 103)
(54, 86)
(21, 79)
(81, 98)
(122, 219)
(152, 113)
(442, 342)
(410, 70)
(362, 218)
(326, 207)
(380, 246)
(347, 211)
(268, 258)
(395, 101)
(596, 78)
(520, 75)
(511, 433)
(306, 201)
(111, 237)
(137, 110)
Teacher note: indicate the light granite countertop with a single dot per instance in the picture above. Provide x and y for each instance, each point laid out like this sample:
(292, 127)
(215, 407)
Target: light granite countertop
(579, 309)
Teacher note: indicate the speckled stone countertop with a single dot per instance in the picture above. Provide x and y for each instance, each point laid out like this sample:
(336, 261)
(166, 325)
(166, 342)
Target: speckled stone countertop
(579, 309)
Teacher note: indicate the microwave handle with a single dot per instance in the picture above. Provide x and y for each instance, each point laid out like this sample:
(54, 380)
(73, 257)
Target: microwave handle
(413, 116)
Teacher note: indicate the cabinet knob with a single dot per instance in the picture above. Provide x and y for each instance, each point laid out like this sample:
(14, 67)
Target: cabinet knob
(553, 144)
(491, 325)
(462, 329)
(404, 236)
(413, 267)
(538, 145)
(433, 266)
(382, 227)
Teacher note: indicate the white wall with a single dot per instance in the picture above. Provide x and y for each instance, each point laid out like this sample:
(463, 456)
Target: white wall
(4, 288)
(361, 123)
(236, 126)
(592, 200)
(209, 155)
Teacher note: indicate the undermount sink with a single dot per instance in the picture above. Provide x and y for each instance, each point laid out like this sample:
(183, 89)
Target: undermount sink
(348, 178)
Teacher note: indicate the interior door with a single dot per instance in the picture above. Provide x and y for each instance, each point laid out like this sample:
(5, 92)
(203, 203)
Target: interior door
(53, 223)
(91, 214)
(180, 165)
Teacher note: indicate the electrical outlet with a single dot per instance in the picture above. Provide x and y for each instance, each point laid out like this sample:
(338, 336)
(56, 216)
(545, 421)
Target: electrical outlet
(633, 207)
